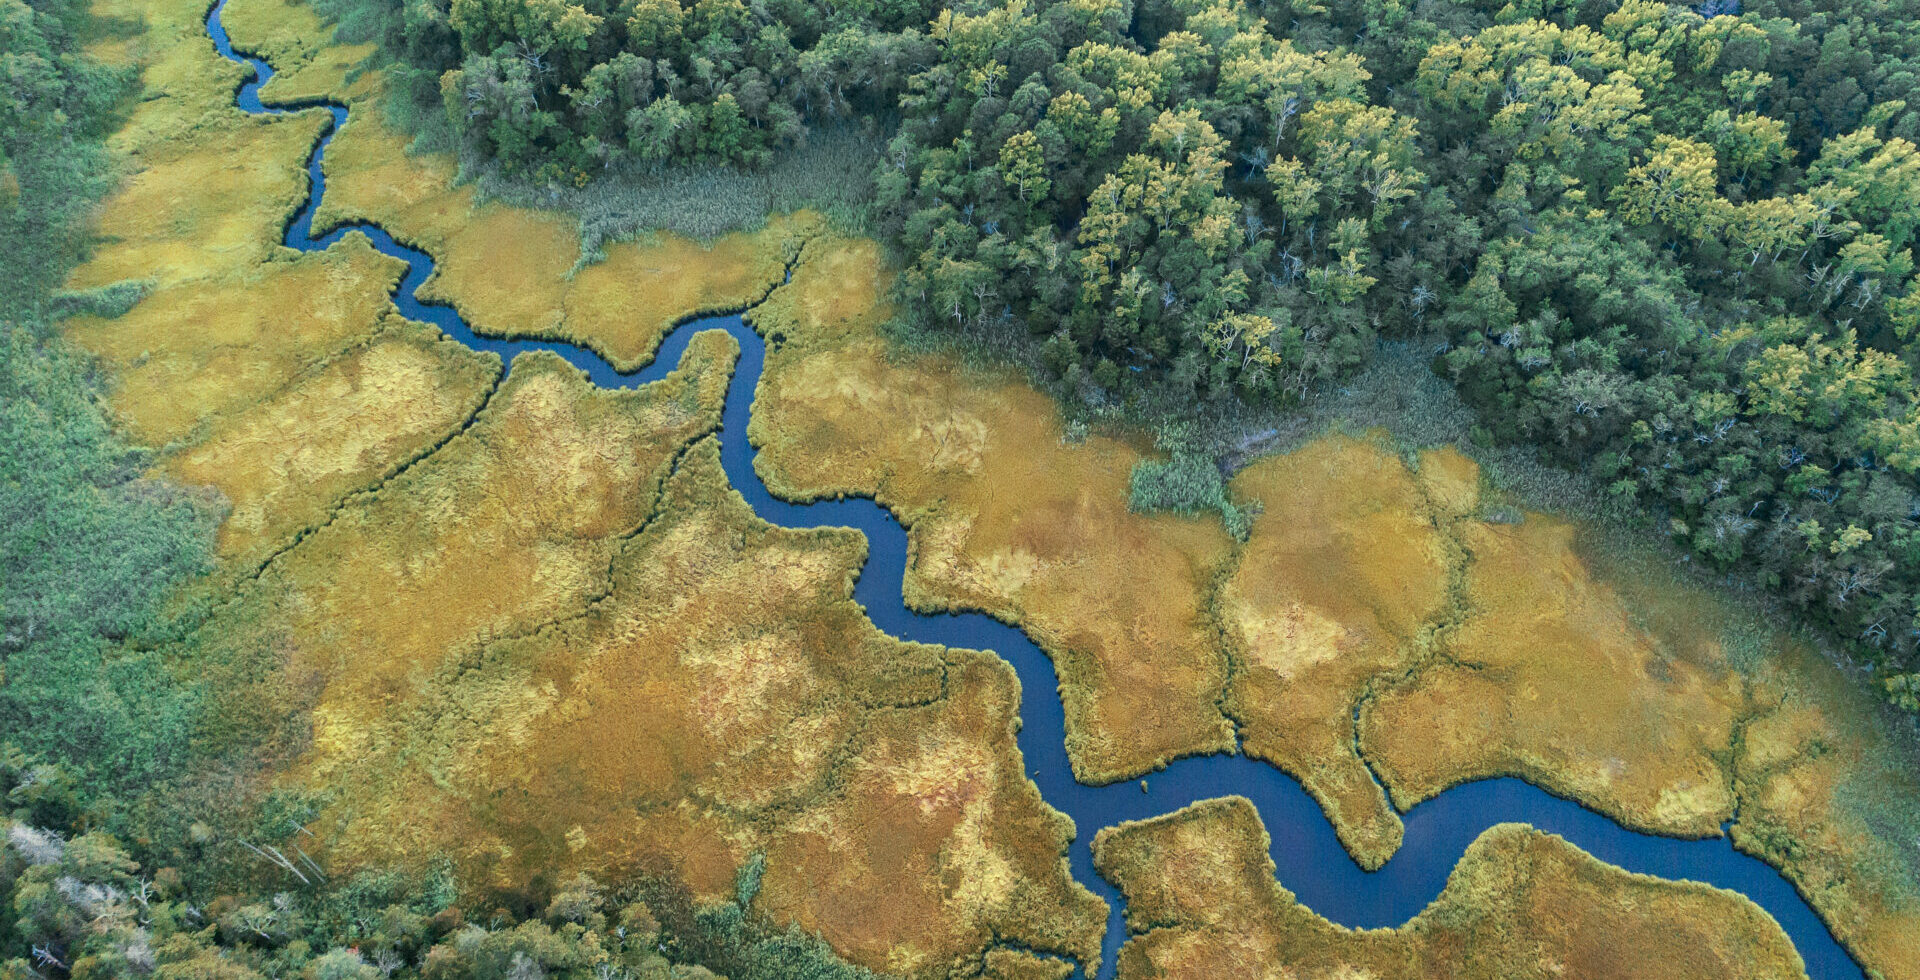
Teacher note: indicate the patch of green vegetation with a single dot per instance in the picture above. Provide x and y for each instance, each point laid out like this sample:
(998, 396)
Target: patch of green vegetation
(728, 938)
(106, 302)
(831, 174)
(88, 546)
(1187, 482)
(55, 106)
(84, 908)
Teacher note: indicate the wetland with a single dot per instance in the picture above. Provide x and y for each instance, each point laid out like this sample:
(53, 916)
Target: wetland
(554, 568)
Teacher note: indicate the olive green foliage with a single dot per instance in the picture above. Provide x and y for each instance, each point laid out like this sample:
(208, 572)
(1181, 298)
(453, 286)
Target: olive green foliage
(829, 174)
(82, 908)
(1187, 482)
(562, 91)
(54, 106)
(1178, 197)
(107, 302)
(88, 547)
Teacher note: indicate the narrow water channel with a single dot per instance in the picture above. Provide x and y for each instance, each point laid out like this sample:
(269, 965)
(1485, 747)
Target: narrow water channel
(1309, 859)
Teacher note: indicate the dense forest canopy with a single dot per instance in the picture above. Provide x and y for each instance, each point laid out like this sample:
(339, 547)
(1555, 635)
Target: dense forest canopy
(1672, 245)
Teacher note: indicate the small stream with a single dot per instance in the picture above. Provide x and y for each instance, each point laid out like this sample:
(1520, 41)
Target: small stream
(1309, 859)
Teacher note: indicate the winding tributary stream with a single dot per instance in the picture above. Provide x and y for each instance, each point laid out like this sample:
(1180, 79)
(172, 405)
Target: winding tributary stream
(1309, 859)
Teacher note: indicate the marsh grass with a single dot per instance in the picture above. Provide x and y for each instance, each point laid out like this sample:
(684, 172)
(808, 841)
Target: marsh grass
(1185, 483)
(1396, 394)
(1885, 807)
(831, 173)
(108, 302)
(1518, 897)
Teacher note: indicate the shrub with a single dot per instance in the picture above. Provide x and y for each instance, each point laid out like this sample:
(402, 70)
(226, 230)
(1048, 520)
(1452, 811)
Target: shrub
(1187, 482)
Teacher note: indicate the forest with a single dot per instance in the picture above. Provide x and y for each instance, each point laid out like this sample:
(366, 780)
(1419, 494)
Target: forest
(1671, 246)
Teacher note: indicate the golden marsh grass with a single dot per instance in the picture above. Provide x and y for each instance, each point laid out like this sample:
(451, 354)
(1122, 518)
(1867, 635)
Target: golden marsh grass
(1005, 516)
(1203, 903)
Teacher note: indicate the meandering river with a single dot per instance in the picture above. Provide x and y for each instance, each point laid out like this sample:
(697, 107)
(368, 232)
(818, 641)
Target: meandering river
(1308, 857)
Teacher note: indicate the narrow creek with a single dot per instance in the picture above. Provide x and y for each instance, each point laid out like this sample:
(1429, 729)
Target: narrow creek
(1309, 860)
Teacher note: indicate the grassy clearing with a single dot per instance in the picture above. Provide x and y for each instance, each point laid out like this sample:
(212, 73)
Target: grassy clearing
(1828, 794)
(1187, 482)
(1519, 904)
(1549, 677)
(509, 524)
(1643, 628)
(311, 63)
(1468, 646)
(162, 226)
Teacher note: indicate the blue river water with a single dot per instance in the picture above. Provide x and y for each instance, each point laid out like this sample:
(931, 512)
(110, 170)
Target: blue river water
(1309, 859)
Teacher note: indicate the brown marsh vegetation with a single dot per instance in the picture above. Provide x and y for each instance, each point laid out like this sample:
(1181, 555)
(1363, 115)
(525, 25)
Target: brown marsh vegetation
(284, 461)
(1202, 902)
(519, 272)
(1342, 572)
(1374, 590)
(1005, 515)
(208, 347)
(280, 379)
(722, 697)
(466, 590)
